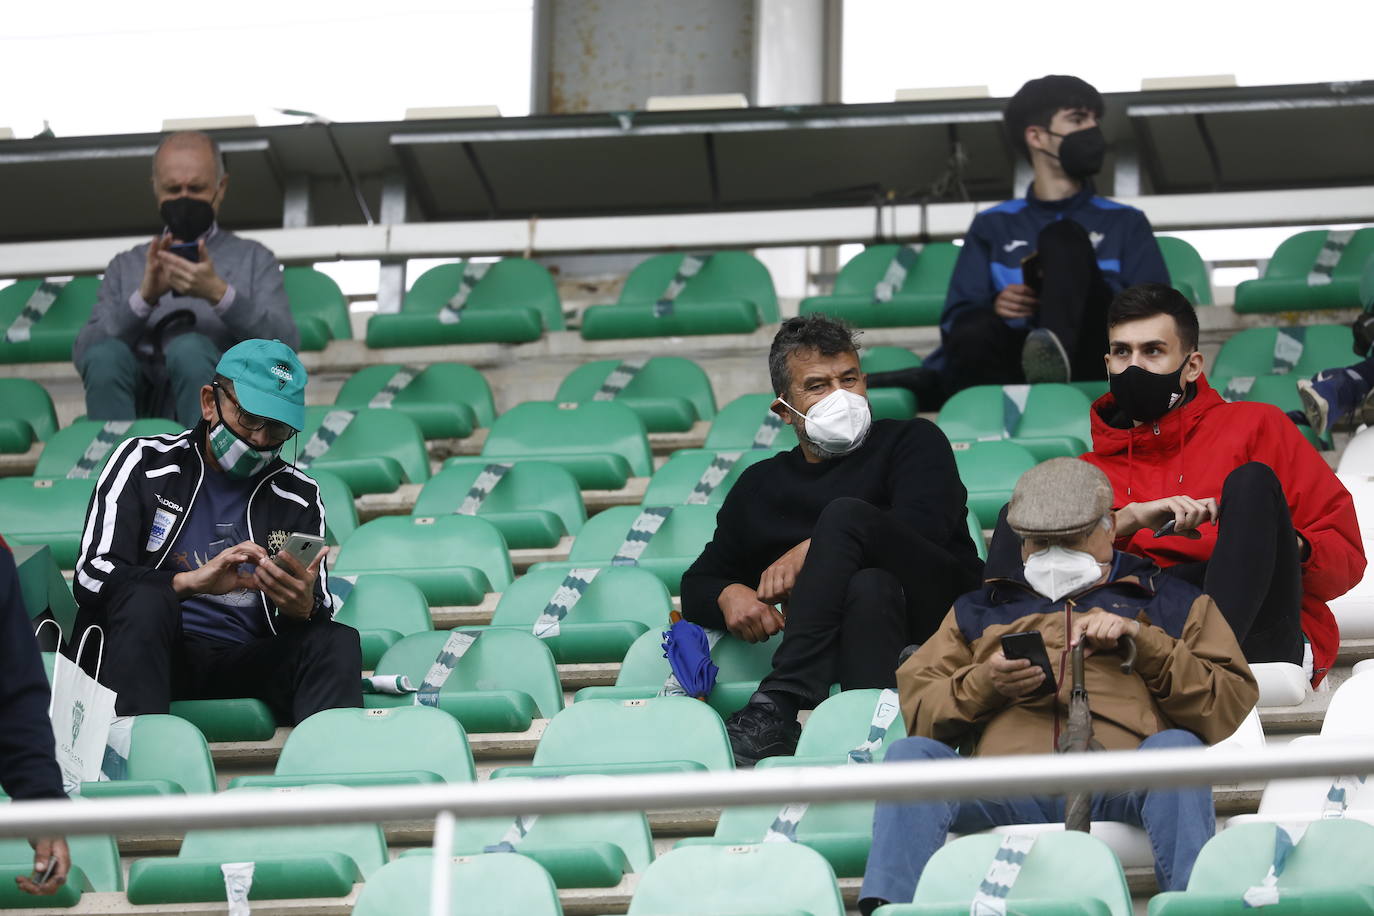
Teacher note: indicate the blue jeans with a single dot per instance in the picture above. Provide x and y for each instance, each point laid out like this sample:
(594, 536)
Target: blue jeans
(907, 834)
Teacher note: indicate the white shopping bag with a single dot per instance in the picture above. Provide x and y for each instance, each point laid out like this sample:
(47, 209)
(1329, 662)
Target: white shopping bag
(81, 712)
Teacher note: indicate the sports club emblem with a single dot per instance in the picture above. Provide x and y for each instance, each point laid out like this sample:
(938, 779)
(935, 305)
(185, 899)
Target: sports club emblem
(78, 716)
(276, 541)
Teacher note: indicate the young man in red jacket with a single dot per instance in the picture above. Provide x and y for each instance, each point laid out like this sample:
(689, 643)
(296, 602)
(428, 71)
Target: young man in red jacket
(1260, 522)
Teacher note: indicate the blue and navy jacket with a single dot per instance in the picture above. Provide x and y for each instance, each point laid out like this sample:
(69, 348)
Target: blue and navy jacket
(1189, 671)
(1001, 236)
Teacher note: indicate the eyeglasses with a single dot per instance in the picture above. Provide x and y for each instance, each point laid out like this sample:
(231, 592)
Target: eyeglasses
(276, 430)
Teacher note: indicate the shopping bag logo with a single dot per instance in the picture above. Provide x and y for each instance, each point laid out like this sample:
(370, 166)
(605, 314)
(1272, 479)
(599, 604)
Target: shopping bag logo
(78, 716)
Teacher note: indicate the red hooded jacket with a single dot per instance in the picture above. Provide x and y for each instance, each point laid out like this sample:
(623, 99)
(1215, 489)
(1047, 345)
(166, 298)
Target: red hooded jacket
(1190, 451)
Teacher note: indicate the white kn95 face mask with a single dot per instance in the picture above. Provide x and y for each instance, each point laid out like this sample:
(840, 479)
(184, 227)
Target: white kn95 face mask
(1058, 571)
(838, 423)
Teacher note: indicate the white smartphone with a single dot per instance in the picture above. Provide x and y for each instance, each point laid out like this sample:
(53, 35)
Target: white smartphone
(304, 547)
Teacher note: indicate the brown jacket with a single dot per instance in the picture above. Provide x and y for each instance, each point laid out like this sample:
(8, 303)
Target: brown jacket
(1189, 671)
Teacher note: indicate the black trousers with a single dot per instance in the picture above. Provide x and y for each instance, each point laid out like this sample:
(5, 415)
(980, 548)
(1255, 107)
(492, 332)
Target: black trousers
(150, 661)
(1254, 573)
(870, 585)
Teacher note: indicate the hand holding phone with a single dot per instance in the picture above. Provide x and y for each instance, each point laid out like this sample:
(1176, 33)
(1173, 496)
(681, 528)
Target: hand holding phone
(1169, 529)
(1030, 645)
(303, 548)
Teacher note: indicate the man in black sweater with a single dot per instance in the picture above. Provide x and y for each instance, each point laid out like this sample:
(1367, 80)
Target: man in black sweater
(853, 544)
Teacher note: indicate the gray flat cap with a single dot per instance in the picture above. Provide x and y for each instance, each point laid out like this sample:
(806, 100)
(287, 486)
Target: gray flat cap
(1062, 497)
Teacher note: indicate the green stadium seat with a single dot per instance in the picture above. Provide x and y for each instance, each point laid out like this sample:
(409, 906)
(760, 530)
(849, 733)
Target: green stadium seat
(41, 510)
(890, 403)
(674, 482)
(290, 862)
(668, 393)
(83, 448)
(887, 359)
(738, 422)
(1329, 871)
(95, 867)
(989, 471)
(1367, 286)
(1187, 270)
(1315, 269)
(455, 559)
(975, 532)
(1066, 873)
(340, 512)
(504, 681)
(534, 503)
(514, 302)
(493, 885)
(659, 735)
(732, 293)
(1297, 352)
(447, 400)
(602, 443)
(577, 850)
(167, 756)
(841, 832)
(645, 671)
(241, 719)
(667, 555)
(26, 414)
(409, 745)
(780, 879)
(1048, 420)
(318, 306)
(620, 605)
(383, 609)
(919, 301)
(376, 452)
(1092, 389)
(50, 338)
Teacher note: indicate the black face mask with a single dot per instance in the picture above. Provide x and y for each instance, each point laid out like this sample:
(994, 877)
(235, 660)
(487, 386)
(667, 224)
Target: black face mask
(187, 218)
(1145, 396)
(1081, 152)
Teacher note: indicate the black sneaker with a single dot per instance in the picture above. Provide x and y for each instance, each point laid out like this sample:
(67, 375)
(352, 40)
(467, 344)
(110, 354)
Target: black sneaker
(1043, 358)
(761, 730)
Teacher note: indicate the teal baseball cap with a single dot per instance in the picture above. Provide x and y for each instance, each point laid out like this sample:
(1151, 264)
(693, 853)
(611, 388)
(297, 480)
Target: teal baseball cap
(268, 378)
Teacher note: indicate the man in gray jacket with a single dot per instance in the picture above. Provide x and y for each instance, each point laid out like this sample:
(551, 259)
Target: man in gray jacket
(170, 307)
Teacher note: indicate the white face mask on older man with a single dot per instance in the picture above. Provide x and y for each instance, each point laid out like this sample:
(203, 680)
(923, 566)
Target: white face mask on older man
(838, 423)
(1058, 571)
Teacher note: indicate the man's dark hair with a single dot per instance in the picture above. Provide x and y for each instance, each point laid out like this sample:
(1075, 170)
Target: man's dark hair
(1036, 103)
(1150, 299)
(825, 335)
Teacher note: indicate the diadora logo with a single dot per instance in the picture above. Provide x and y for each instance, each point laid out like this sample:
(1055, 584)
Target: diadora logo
(169, 504)
(1014, 244)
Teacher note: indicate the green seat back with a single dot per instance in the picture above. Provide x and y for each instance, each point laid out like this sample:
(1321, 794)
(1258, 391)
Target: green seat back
(1330, 870)
(919, 301)
(377, 452)
(1056, 420)
(672, 549)
(535, 503)
(596, 733)
(318, 306)
(766, 878)
(26, 414)
(337, 742)
(67, 446)
(291, 862)
(890, 403)
(954, 873)
(619, 605)
(500, 660)
(734, 427)
(46, 511)
(1187, 270)
(455, 559)
(669, 393)
(447, 400)
(1251, 352)
(1367, 286)
(600, 442)
(163, 747)
(50, 339)
(975, 533)
(886, 359)
(383, 609)
(677, 478)
(509, 283)
(493, 885)
(989, 471)
(728, 275)
(340, 512)
(841, 723)
(1286, 284)
(238, 719)
(97, 856)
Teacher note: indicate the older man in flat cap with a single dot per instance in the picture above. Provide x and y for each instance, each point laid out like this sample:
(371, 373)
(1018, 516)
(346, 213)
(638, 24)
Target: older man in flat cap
(1190, 686)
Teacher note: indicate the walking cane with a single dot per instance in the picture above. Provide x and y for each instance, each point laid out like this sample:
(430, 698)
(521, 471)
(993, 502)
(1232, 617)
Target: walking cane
(1078, 737)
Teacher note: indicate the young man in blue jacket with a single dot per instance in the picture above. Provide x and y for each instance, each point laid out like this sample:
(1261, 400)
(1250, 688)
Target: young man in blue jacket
(1028, 300)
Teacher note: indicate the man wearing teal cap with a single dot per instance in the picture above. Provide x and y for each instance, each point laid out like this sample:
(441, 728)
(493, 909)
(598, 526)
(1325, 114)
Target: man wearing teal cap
(178, 556)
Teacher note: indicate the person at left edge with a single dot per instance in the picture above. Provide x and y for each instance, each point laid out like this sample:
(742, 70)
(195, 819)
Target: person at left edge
(177, 561)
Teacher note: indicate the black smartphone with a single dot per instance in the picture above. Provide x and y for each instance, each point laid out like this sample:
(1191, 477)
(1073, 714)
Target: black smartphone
(1030, 645)
(1033, 272)
(1167, 529)
(188, 250)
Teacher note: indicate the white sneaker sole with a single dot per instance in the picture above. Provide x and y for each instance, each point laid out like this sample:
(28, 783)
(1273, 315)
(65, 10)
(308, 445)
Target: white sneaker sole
(1043, 358)
(1314, 405)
